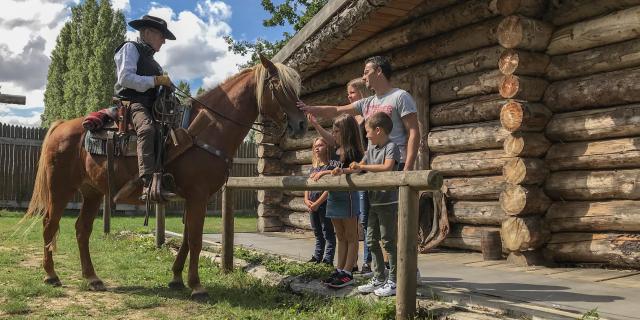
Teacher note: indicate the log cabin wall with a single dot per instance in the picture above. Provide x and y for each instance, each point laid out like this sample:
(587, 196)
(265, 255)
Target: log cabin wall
(594, 156)
(533, 119)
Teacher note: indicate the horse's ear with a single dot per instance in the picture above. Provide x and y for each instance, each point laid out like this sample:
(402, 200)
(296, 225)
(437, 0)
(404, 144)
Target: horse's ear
(268, 64)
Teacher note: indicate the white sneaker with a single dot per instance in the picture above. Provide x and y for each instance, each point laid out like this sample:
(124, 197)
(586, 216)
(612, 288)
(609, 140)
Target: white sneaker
(389, 289)
(371, 286)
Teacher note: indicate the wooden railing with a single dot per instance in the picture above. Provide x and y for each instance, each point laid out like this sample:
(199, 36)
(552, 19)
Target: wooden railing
(409, 184)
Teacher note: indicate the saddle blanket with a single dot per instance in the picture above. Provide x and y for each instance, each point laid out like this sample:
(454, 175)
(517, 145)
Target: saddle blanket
(95, 142)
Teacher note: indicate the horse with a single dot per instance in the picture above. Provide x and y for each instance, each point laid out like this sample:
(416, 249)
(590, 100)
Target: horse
(64, 167)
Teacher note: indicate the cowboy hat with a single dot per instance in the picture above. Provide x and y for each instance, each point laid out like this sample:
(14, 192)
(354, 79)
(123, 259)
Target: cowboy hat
(152, 22)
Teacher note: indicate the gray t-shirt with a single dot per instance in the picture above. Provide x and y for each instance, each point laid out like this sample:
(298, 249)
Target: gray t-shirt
(377, 155)
(397, 103)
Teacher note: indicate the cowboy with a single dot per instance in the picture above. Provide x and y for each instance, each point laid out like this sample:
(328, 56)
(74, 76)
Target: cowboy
(138, 79)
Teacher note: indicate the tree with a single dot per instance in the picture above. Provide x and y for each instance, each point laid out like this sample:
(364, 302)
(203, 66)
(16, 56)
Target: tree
(184, 86)
(200, 91)
(296, 13)
(82, 73)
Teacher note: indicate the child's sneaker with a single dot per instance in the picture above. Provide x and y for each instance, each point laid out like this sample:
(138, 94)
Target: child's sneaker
(342, 280)
(366, 270)
(371, 286)
(333, 275)
(389, 289)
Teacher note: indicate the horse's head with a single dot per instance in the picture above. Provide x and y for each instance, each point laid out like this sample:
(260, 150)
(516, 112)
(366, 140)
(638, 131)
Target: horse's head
(278, 87)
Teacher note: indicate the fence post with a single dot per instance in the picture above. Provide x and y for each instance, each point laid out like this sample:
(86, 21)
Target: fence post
(159, 225)
(407, 252)
(106, 213)
(227, 230)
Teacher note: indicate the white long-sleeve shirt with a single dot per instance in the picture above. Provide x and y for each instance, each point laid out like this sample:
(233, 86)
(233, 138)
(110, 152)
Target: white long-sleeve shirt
(126, 66)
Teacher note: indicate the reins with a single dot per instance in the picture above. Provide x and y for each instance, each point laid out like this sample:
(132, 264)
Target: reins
(184, 94)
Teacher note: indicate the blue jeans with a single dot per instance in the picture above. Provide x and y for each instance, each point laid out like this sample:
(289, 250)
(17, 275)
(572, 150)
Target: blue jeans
(324, 234)
(364, 218)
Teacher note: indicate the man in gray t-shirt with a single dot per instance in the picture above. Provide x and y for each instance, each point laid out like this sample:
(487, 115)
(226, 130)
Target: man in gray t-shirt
(395, 102)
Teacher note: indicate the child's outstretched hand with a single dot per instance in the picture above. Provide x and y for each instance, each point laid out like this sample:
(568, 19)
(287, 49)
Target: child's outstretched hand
(312, 118)
(317, 175)
(336, 171)
(354, 166)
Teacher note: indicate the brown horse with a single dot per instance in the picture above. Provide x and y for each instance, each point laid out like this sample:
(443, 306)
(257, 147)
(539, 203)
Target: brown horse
(65, 167)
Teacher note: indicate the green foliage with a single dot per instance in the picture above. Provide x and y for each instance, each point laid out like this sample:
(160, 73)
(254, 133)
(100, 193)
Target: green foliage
(200, 91)
(296, 13)
(81, 73)
(591, 315)
(184, 87)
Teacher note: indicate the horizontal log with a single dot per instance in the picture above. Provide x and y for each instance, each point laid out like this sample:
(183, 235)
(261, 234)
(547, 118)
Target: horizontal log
(616, 27)
(298, 220)
(518, 200)
(470, 163)
(476, 212)
(269, 224)
(293, 193)
(521, 32)
(526, 171)
(622, 121)
(269, 210)
(475, 136)
(524, 116)
(268, 166)
(427, 180)
(269, 151)
(454, 17)
(475, 188)
(269, 196)
(13, 99)
(605, 154)
(614, 249)
(336, 96)
(617, 215)
(306, 142)
(523, 233)
(479, 83)
(565, 12)
(522, 87)
(601, 59)
(593, 185)
(526, 144)
(297, 157)
(466, 237)
(527, 8)
(523, 62)
(294, 204)
(424, 8)
(474, 109)
(598, 90)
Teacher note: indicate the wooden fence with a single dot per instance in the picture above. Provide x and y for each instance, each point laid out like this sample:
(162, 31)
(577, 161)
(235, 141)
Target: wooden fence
(20, 149)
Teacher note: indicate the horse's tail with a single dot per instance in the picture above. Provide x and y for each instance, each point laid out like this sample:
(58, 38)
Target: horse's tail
(41, 195)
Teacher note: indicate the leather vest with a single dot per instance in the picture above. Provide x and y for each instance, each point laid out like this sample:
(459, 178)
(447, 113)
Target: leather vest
(146, 66)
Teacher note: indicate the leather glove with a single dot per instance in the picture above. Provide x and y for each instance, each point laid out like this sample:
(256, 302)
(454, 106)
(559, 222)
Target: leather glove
(163, 80)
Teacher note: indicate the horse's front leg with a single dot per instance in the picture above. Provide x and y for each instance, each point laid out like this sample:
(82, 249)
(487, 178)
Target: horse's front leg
(84, 227)
(181, 257)
(196, 209)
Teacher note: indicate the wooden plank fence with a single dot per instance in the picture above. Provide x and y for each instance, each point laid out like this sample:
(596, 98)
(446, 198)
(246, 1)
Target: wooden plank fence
(20, 149)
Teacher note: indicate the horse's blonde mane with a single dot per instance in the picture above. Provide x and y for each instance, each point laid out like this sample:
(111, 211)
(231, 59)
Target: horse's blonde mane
(288, 76)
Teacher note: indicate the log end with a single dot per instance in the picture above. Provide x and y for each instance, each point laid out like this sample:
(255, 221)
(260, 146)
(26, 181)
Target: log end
(511, 116)
(509, 61)
(523, 233)
(510, 32)
(509, 86)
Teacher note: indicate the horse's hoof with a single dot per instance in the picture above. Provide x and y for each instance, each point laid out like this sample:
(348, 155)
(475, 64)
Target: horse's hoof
(200, 296)
(97, 285)
(54, 281)
(176, 285)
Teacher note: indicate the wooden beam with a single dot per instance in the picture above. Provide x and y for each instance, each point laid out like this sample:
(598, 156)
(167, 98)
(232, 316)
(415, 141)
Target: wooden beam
(428, 180)
(407, 252)
(13, 99)
(160, 214)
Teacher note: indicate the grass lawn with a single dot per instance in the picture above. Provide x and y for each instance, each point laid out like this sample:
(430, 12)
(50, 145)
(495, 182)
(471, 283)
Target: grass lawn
(136, 275)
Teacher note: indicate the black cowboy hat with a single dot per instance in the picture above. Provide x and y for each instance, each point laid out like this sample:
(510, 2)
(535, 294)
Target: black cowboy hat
(152, 22)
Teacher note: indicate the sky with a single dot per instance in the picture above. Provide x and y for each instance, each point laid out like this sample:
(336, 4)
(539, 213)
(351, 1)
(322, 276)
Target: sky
(29, 28)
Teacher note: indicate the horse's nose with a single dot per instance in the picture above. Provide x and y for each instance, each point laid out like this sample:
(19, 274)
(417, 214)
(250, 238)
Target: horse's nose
(302, 125)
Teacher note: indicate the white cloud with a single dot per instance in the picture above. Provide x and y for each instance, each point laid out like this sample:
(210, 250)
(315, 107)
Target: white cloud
(121, 5)
(29, 29)
(199, 51)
